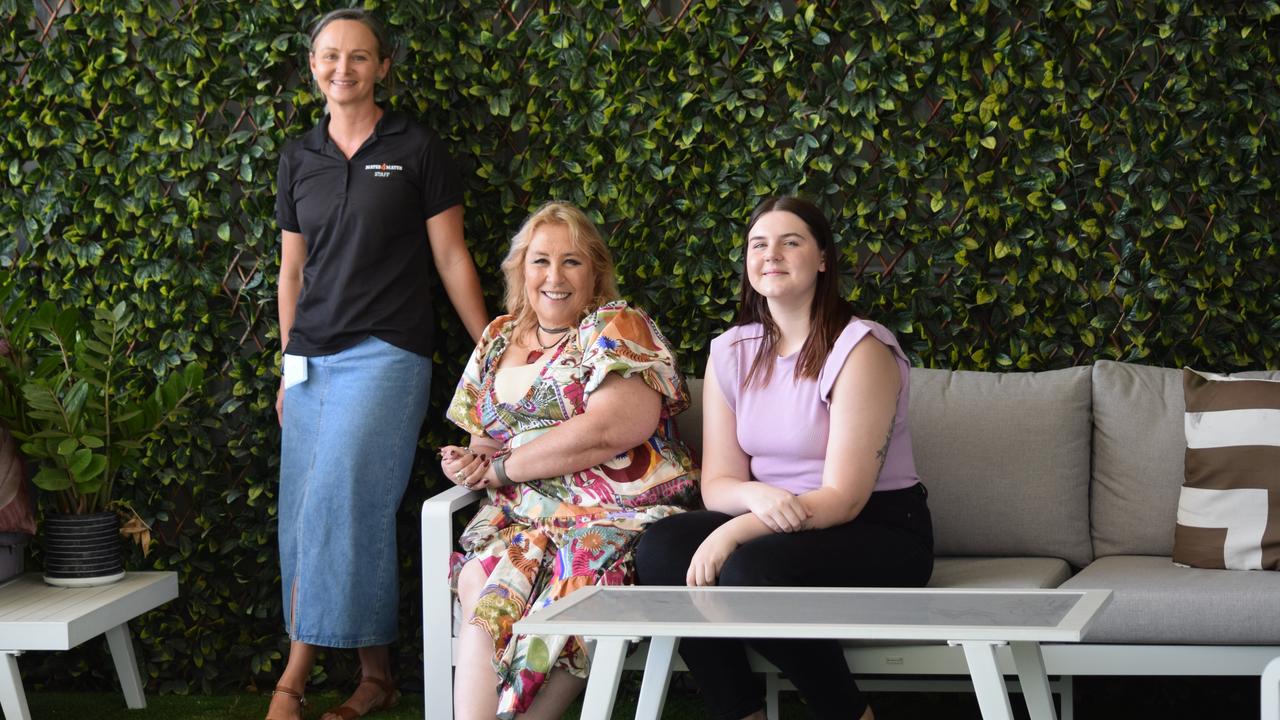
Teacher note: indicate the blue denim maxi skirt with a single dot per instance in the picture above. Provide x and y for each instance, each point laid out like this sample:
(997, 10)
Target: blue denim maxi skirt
(348, 441)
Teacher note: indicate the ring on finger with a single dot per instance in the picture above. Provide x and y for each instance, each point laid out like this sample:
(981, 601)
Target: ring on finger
(460, 476)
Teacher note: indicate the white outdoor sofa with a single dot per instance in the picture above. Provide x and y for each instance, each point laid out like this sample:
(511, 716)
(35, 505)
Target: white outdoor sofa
(1068, 478)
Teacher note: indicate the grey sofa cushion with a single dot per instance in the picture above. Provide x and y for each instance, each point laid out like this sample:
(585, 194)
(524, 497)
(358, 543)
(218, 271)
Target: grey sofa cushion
(1139, 448)
(1006, 459)
(689, 422)
(1156, 602)
(1020, 572)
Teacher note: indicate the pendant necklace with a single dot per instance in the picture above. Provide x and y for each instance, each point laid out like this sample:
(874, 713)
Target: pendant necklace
(534, 355)
(561, 334)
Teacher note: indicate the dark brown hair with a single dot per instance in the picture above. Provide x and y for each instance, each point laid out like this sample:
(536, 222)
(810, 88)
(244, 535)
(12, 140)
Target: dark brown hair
(829, 312)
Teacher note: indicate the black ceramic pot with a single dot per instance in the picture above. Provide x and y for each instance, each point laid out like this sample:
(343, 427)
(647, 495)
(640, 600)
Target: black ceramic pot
(82, 550)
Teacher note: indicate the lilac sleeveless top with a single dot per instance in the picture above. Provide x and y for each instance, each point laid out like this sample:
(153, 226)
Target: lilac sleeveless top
(784, 426)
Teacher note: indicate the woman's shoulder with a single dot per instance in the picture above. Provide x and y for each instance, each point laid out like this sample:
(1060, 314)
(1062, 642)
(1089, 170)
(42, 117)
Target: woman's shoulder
(858, 328)
(620, 320)
(615, 312)
(497, 327)
(293, 146)
(413, 128)
(744, 335)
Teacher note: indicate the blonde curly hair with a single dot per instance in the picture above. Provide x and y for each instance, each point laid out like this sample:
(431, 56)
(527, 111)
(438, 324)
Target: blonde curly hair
(585, 238)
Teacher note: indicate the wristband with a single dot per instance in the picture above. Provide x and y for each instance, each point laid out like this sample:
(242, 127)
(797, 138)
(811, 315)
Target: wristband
(499, 462)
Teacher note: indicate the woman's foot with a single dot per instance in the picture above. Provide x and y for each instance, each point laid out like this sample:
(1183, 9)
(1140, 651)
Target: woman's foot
(286, 704)
(371, 695)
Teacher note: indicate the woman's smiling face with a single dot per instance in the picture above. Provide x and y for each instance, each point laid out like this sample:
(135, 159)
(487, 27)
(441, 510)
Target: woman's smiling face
(558, 279)
(783, 258)
(345, 62)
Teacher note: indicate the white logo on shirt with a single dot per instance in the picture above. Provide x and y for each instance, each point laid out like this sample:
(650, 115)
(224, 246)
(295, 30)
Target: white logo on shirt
(383, 169)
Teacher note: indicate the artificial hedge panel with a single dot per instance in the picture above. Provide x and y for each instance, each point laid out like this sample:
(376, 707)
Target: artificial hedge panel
(1016, 186)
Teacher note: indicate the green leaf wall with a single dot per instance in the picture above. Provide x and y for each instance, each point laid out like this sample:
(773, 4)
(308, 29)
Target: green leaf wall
(1016, 186)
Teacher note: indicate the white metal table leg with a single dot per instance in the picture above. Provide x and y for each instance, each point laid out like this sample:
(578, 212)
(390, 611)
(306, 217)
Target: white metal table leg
(1066, 695)
(988, 683)
(1035, 683)
(602, 683)
(12, 699)
(121, 645)
(1271, 691)
(657, 676)
(772, 705)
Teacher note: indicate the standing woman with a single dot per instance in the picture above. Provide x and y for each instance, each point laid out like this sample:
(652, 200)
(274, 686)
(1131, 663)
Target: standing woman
(369, 206)
(807, 472)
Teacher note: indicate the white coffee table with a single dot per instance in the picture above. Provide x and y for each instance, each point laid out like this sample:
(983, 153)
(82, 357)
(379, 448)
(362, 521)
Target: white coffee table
(978, 620)
(36, 616)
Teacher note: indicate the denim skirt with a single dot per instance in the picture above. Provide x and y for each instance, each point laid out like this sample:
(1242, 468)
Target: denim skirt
(350, 430)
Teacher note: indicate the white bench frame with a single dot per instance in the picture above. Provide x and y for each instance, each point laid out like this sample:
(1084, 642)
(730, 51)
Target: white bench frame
(36, 616)
(1271, 690)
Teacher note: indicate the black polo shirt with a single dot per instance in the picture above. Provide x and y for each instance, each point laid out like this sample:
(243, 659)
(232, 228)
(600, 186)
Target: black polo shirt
(369, 267)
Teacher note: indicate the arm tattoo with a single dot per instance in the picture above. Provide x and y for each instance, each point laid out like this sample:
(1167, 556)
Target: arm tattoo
(883, 453)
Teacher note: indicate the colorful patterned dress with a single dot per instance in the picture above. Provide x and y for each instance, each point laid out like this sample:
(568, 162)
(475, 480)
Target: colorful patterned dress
(541, 540)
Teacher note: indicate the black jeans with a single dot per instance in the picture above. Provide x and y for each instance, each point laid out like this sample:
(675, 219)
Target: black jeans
(889, 544)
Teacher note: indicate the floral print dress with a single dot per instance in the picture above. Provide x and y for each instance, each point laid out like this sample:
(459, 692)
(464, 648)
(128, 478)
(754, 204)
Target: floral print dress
(541, 540)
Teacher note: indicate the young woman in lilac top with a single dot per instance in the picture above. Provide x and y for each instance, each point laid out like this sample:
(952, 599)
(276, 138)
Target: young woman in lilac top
(807, 472)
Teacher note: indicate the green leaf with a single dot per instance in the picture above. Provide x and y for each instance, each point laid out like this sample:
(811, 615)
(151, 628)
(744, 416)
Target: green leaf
(79, 462)
(52, 479)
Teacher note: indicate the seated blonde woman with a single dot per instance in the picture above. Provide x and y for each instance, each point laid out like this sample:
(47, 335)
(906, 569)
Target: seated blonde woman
(568, 400)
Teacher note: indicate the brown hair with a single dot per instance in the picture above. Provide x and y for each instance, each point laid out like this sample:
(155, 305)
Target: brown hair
(585, 238)
(829, 312)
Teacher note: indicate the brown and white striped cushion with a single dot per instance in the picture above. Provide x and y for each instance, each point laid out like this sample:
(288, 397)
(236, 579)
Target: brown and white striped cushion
(1229, 509)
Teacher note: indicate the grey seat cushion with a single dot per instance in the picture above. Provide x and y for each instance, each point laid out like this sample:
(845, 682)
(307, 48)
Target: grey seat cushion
(1155, 602)
(983, 572)
(1139, 449)
(1006, 459)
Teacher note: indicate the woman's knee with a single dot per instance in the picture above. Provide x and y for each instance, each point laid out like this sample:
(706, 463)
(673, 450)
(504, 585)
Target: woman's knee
(665, 547)
(655, 559)
(757, 564)
(471, 581)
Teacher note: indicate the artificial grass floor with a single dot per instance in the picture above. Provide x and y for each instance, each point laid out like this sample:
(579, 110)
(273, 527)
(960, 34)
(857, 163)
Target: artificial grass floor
(1227, 698)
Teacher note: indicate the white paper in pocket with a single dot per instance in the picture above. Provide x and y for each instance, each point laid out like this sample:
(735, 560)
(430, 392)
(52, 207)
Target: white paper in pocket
(295, 370)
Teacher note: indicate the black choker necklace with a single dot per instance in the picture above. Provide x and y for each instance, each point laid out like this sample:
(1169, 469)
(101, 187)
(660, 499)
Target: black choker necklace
(560, 333)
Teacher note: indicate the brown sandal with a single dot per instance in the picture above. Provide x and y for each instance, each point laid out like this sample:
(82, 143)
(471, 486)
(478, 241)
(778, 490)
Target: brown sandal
(390, 698)
(289, 692)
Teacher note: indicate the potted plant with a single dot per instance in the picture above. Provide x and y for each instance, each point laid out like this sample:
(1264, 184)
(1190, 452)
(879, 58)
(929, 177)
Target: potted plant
(82, 411)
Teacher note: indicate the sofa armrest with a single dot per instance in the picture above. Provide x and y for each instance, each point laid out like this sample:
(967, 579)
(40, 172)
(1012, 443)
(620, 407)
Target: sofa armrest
(437, 599)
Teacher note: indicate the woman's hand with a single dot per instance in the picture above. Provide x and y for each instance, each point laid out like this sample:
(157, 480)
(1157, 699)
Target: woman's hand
(711, 555)
(280, 404)
(464, 466)
(778, 509)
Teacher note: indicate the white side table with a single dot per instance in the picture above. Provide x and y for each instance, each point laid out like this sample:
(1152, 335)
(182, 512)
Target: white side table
(36, 616)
